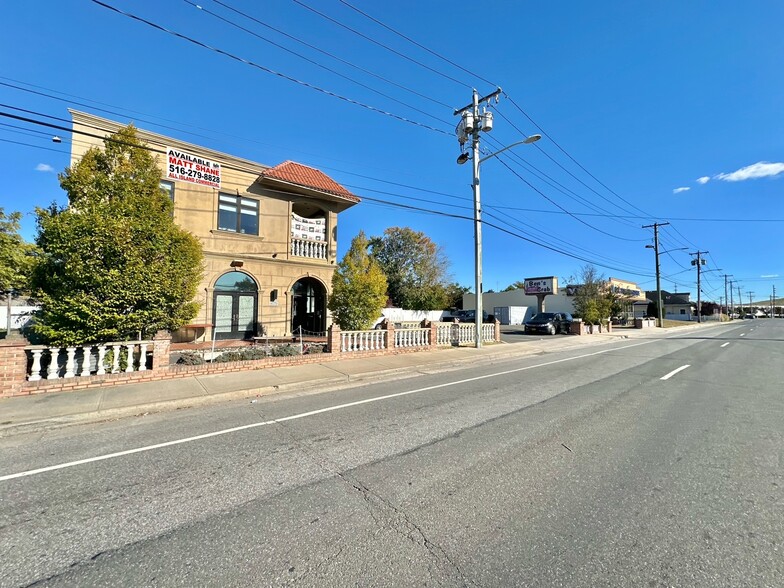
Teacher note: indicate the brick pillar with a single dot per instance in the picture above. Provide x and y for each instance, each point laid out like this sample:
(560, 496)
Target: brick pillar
(13, 366)
(433, 326)
(333, 339)
(577, 327)
(160, 350)
(390, 327)
(497, 335)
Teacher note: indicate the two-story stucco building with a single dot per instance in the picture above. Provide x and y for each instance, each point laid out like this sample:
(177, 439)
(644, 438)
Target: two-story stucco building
(269, 234)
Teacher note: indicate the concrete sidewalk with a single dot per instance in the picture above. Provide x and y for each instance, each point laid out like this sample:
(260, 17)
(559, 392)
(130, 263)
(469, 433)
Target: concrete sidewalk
(35, 412)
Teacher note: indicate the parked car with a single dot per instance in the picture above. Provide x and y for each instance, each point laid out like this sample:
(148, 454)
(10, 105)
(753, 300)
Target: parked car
(469, 316)
(550, 323)
(750, 316)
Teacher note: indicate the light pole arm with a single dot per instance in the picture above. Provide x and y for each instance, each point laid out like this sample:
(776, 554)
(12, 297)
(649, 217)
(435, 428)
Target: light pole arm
(526, 141)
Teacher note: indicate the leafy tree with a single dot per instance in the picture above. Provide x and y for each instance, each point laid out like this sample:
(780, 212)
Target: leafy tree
(709, 309)
(593, 301)
(415, 267)
(359, 288)
(15, 254)
(514, 286)
(113, 263)
(454, 295)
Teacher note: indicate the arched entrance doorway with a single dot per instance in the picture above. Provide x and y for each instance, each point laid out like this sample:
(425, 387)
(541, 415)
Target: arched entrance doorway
(308, 306)
(235, 306)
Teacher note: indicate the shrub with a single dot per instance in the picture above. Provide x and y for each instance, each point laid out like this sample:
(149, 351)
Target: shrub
(190, 358)
(285, 350)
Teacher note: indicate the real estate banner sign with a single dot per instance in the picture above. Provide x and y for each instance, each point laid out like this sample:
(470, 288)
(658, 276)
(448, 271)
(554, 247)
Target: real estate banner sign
(194, 169)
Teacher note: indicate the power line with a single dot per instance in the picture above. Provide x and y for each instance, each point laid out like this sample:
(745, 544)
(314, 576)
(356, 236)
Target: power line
(380, 44)
(269, 70)
(410, 40)
(331, 55)
(554, 203)
(518, 107)
(311, 61)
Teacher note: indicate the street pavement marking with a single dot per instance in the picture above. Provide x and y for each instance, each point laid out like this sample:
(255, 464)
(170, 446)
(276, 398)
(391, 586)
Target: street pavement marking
(673, 372)
(743, 334)
(727, 343)
(303, 415)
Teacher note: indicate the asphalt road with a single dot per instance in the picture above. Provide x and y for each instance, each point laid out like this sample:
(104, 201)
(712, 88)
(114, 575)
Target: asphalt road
(575, 468)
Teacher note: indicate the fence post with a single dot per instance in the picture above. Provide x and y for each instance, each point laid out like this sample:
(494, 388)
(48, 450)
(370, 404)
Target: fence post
(160, 351)
(497, 333)
(13, 366)
(333, 339)
(433, 326)
(390, 328)
(576, 327)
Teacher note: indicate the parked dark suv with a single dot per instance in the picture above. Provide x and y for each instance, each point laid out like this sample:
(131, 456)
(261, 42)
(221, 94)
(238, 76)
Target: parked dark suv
(469, 316)
(549, 323)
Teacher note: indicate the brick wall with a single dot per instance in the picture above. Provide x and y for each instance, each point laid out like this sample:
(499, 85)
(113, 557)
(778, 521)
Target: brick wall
(13, 366)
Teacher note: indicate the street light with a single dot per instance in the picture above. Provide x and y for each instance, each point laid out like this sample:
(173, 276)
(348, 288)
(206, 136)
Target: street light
(471, 124)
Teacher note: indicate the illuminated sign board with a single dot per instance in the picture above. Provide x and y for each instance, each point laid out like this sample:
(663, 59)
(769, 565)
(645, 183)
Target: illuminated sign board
(547, 285)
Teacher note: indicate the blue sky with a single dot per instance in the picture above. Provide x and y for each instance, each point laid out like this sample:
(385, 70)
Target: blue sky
(651, 112)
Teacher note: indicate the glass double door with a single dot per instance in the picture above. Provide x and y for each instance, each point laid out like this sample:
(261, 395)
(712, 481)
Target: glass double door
(235, 315)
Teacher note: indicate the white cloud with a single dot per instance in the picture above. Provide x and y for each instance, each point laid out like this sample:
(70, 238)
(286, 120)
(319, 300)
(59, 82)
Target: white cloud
(44, 167)
(703, 180)
(681, 189)
(769, 276)
(761, 169)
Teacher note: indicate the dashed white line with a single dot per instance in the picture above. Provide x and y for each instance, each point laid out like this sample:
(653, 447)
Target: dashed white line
(727, 343)
(673, 372)
(743, 334)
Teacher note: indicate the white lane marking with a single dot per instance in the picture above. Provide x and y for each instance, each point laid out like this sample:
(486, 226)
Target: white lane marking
(302, 415)
(727, 343)
(743, 334)
(673, 372)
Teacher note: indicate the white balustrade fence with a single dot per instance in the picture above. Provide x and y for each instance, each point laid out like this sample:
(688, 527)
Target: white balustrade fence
(51, 363)
(412, 337)
(462, 333)
(372, 340)
(310, 249)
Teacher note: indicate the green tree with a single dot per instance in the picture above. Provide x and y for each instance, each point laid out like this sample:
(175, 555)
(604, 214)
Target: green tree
(514, 286)
(415, 267)
(15, 254)
(593, 301)
(113, 264)
(359, 288)
(454, 295)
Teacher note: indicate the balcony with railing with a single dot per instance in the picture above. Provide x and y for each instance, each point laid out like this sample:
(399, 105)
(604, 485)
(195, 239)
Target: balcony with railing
(308, 249)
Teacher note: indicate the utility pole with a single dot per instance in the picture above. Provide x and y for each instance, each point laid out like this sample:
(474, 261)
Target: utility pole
(659, 312)
(750, 294)
(773, 303)
(471, 123)
(740, 300)
(699, 262)
(732, 300)
(727, 300)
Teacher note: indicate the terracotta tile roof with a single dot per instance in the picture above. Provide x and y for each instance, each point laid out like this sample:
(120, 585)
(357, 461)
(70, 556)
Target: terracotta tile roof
(308, 177)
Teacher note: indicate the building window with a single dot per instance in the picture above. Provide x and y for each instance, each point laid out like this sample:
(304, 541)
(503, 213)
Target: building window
(167, 188)
(683, 311)
(238, 214)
